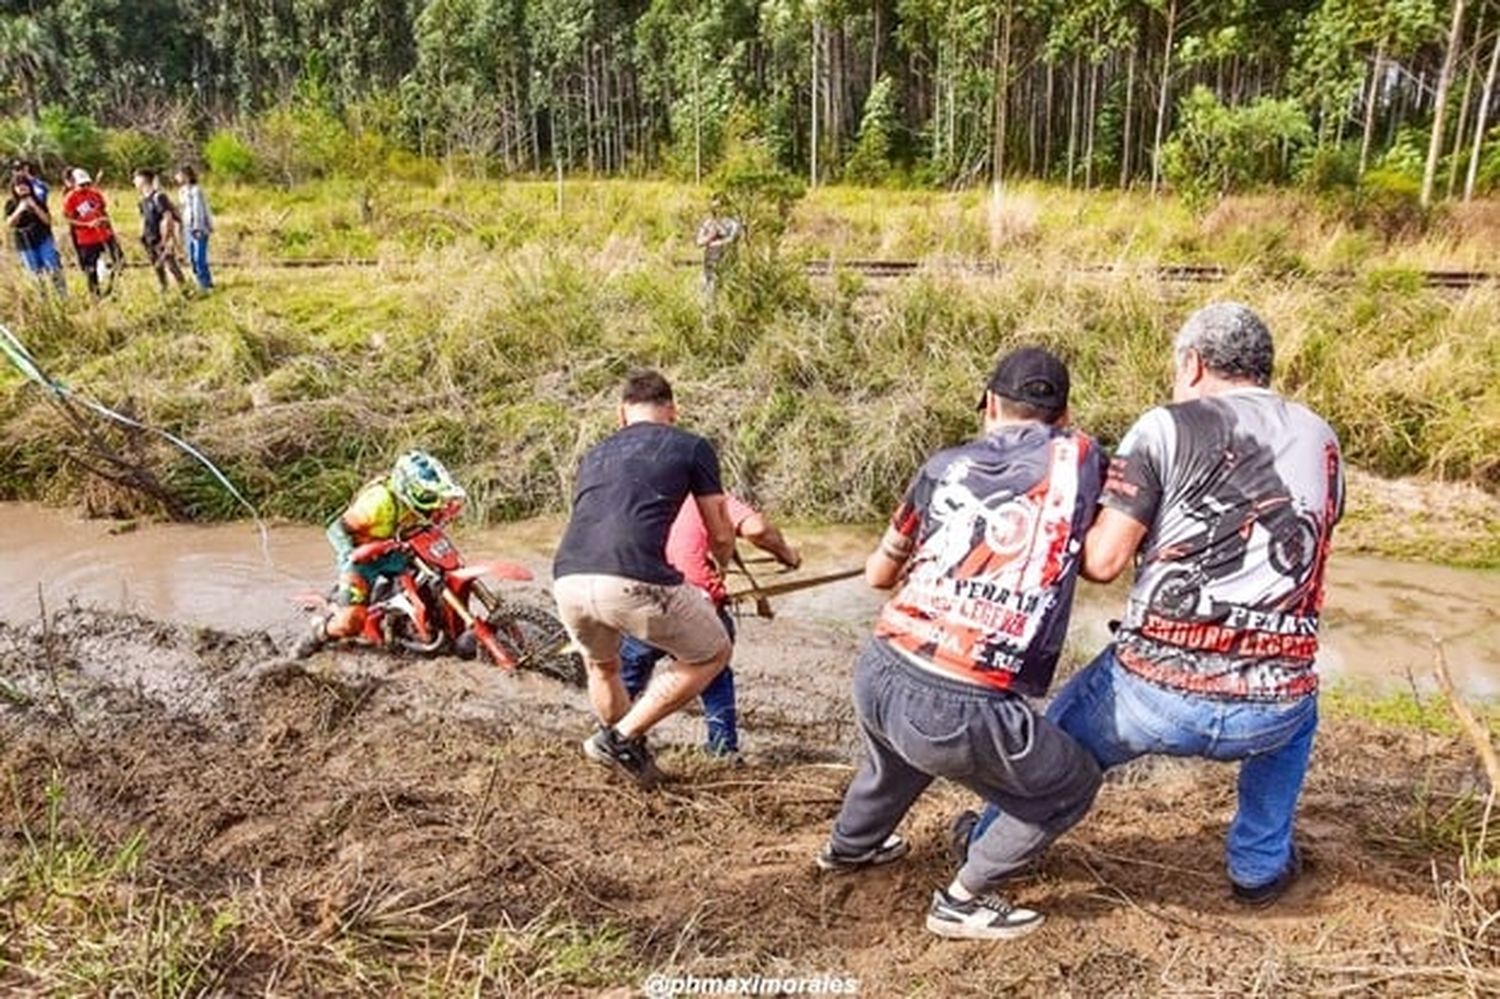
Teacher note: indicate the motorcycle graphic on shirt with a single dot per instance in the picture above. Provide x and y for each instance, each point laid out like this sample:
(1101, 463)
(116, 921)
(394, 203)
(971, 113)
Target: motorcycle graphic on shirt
(1241, 495)
(993, 563)
(1233, 525)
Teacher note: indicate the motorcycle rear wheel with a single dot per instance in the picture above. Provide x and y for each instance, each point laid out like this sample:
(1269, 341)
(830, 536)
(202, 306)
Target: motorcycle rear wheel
(537, 641)
(1177, 594)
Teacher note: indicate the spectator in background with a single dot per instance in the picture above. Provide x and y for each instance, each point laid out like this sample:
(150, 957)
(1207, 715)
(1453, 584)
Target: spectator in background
(161, 227)
(197, 222)
(39, 186)
(88, 219)
(31, 230)
(715, 236)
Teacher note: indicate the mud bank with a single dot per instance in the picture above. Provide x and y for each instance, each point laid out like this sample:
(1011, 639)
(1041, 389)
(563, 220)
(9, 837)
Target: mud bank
(363, 825)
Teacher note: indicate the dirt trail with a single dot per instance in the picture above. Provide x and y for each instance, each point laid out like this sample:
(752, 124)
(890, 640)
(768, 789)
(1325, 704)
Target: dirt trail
(367, 820)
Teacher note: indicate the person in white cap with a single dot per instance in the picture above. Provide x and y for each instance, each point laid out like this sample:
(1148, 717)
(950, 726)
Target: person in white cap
(88, 215)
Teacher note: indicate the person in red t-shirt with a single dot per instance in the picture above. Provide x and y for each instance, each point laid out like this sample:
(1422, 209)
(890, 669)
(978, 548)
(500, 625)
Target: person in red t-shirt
(688, 553)
(88, 215)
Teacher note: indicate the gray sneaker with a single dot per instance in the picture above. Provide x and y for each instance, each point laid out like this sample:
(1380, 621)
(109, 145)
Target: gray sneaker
(894, 848)
(630, 757)
(733, 759)
(983, 917)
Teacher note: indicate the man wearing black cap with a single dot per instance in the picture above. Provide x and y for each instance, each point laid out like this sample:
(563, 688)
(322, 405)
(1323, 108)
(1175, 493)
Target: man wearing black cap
(985, 548)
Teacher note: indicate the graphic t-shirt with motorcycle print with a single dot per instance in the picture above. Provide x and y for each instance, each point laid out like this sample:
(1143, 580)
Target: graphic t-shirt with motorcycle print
(998, 527)
(1240, 493)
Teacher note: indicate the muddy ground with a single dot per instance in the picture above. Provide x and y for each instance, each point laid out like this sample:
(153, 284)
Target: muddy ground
(363, 825)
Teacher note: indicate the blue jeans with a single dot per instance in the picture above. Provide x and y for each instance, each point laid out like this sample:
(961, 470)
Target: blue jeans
(43, 260)
(1118, 716)
(197, 249)
(638, 660)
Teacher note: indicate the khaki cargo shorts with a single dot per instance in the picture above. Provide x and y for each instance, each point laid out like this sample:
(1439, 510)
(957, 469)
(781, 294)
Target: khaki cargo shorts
(680, 620)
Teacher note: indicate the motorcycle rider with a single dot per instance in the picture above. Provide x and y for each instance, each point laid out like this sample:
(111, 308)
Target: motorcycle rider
(417, 493)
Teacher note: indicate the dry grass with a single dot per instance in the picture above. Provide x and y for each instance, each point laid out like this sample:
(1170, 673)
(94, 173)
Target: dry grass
(268, 848)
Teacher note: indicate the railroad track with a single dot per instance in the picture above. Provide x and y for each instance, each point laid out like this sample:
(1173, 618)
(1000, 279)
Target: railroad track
(885, 269)
(1176, 273)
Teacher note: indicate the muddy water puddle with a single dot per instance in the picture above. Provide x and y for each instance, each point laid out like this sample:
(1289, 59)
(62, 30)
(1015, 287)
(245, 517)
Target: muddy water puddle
(1379, 622)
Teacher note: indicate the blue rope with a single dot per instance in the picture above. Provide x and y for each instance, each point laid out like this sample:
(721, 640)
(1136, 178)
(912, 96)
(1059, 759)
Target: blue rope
(16, 352)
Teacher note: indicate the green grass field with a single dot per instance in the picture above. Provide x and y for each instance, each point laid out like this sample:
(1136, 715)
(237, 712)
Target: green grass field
(1280, 233)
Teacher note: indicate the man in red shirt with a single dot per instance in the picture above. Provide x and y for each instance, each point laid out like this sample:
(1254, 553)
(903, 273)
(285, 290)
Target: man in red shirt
(87, 213)
(688, 553)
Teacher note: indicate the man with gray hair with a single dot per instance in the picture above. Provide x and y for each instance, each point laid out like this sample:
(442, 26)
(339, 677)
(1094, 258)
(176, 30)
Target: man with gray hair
(1226, 501)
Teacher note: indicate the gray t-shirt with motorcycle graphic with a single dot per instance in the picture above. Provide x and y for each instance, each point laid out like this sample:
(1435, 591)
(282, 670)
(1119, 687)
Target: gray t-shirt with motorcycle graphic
(1239, 493)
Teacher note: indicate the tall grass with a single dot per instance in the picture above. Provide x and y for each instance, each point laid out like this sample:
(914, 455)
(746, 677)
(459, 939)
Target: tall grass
(823, 394)
(394, 220)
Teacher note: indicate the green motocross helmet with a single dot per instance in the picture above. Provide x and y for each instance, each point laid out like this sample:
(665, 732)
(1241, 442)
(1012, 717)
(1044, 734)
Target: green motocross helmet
(421, 482)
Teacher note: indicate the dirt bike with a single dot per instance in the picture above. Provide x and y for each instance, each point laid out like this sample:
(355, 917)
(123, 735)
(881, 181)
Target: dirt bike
(440, 604)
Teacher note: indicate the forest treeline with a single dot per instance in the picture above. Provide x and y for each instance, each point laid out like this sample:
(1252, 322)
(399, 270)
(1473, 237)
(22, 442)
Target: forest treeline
(1205, 95)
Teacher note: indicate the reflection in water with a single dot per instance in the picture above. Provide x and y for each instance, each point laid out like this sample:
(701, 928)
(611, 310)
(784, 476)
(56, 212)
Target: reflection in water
(1378, 623)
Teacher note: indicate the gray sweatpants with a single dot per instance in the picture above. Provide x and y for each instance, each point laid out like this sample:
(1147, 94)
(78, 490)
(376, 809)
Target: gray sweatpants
(918, 725)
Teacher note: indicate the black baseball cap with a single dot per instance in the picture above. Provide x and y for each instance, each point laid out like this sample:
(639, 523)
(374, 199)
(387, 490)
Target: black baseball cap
(1031, 375)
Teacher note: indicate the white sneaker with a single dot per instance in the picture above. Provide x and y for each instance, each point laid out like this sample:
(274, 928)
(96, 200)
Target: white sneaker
(983, 917)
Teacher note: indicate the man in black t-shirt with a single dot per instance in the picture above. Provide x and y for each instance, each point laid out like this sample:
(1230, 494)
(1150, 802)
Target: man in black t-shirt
(612, 577)
(160, 228)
